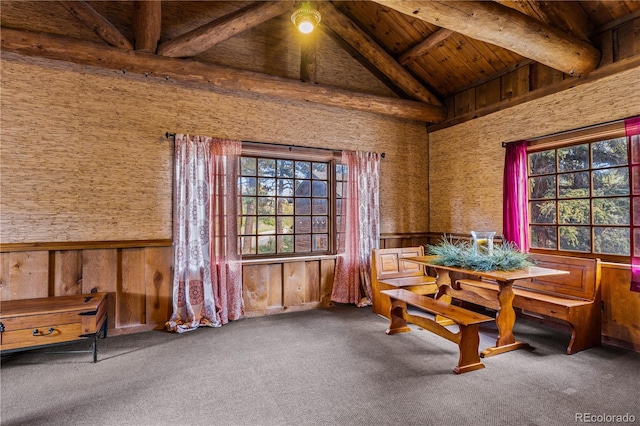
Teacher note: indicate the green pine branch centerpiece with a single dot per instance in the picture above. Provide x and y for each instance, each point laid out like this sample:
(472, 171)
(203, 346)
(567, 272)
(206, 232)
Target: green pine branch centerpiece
(504, 257)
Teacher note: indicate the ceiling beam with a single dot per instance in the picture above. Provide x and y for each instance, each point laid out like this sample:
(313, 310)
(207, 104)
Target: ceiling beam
(101, 26)
(505, 27)
(63, 48)
(219, 30)
(147, 22)
(424, 46)
(353, 35)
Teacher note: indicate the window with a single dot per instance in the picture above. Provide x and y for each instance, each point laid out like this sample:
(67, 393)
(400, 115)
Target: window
(579, 198)
(287, 204)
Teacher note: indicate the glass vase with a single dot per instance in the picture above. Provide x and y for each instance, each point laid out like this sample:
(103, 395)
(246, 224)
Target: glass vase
(482, 242)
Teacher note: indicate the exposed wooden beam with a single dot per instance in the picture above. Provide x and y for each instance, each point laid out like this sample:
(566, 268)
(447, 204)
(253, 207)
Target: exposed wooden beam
(63, 48)
(499, 25)
(344, 27)
(147, 23)
(92, 19)
(424, 46)
(218, 30)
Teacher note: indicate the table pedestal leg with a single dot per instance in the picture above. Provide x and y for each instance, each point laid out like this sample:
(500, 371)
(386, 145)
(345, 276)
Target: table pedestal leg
(443, 281)
(505, 319)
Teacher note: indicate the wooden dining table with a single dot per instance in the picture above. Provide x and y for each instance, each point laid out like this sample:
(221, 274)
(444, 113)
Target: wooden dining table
(505, 315)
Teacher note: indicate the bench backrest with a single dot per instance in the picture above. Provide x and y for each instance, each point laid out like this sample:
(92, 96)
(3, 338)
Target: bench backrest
(386, 264)
(583, 281)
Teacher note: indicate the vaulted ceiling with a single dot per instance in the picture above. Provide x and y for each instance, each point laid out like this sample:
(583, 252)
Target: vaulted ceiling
(419, 54)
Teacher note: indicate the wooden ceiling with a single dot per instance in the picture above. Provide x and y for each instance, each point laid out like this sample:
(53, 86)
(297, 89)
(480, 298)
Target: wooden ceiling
(422, 53)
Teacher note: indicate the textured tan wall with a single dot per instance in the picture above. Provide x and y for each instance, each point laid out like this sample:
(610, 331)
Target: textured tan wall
(83, 158)
(467, 160)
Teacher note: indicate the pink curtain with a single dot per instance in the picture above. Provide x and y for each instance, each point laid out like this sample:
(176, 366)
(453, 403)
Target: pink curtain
(360, 229)
(514, 208)
(205, 285)
(632, 131)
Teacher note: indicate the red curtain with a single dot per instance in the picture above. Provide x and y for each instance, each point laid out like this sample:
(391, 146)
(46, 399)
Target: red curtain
(632, 130)
(514, 208)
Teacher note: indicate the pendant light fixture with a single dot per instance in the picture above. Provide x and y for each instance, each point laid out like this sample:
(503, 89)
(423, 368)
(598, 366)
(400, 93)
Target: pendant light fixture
(305, 18)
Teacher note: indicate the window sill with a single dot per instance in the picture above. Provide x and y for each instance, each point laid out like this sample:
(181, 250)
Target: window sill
(270, 260)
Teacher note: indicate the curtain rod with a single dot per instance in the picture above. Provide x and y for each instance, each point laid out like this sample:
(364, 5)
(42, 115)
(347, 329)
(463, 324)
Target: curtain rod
(595, 126)
(169, 135)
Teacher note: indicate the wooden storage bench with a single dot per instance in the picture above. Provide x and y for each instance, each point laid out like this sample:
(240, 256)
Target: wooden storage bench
(573, 299)
(34, 323)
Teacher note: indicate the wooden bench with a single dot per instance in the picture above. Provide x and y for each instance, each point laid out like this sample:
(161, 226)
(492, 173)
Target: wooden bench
(468, 322)
(387, 273)
(572, 299)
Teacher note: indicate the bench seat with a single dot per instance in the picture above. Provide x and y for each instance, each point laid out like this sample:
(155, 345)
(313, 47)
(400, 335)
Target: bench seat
(572, 299)
(467, 338)
(388, 273)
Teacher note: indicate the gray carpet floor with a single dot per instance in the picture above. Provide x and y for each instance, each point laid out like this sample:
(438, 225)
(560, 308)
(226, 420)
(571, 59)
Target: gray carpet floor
(332, 366)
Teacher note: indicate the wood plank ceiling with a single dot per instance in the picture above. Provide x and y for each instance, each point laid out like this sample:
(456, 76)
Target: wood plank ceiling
(424, 53)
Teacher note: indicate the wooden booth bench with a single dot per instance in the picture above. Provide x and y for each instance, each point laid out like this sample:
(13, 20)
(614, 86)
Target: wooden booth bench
(467, 338)
(387, 273)
(35, 323)
(572, 299)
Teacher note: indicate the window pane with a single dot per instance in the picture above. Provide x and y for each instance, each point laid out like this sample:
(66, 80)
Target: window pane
(341, 188)
(303, 188)
(319, 206)
(266, 167)
(544, 237)
(611, 241)
(320, 224)
(248, 205)
(247, 225)
(573, 158)
(266, 244)
(542, 162)
(611, 182)
(266, 225)
(573, 185)
(285, 205)
(285, 168)
(320, 171)
(321, 242)
(285, 225)
(285, 187)
(266, 205)
(543, 212)
(303, 243)
(248, 245)
(248, 186)
(266, 186)
(319, 189)
(636, 211)
(247, 166)
(635, 185)
(303, 225)
(574, 211)
(303, 205)
(542, 187)
(610, 153)
(339, 172)
(611, 211)
(285, 244)
(575, 238)
(303, 170)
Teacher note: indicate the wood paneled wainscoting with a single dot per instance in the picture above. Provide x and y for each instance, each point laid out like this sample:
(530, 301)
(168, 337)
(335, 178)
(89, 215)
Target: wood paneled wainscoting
(138, 277)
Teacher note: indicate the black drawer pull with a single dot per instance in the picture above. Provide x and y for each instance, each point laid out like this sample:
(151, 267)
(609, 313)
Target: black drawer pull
(36, 332)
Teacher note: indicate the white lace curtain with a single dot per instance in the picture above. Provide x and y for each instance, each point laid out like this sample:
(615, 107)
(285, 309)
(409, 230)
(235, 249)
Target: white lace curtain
(207, 282)
(359, 229)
